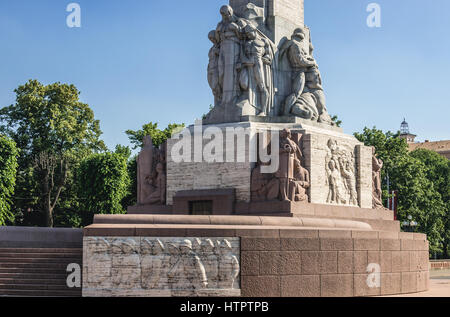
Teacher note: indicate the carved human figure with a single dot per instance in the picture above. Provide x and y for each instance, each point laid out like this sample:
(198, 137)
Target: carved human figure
(144, 169)
(314, 86)
(256, 75)
(188, 271)
(229, 35)
(213, 68)
(335, 194)
(263, 186)
(348, 173)
(300, 61)
(158, 195)
(152, 263)
(377, 165)
(289, 153)
(126, 264)
(210, 261)
(301, 182)
(228, 266)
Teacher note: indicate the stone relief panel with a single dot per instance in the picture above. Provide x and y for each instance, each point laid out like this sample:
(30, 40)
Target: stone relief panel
(340, 166)
(292, 180)
(161, 266)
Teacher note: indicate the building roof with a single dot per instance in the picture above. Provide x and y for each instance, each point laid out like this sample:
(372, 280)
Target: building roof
(439, 146)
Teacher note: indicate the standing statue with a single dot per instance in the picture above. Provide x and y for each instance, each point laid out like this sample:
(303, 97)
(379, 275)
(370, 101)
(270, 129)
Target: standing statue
(213, 68)
(229, 36)
(256, 75)
(289, 153)
(377, 192)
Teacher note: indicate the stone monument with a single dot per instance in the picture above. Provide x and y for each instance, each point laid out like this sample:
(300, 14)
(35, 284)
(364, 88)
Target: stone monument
(266, 196)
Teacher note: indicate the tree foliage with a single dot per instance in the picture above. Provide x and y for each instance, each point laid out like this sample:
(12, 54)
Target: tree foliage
(416, 180)
(102, 182)
(53, 130)
(8, 169)
(158, 136)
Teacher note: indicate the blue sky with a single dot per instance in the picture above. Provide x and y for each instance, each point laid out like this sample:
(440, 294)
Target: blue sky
(145, 60)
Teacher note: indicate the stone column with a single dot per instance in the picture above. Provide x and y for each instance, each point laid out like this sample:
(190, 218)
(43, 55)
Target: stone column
(364, 175)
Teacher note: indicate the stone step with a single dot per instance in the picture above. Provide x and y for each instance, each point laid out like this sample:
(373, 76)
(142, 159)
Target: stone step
(42, 250)
(29, 275)
(9, 280)
(39, 293)
(40, 255)
(42, 260)
(35, 287)
(11, 265)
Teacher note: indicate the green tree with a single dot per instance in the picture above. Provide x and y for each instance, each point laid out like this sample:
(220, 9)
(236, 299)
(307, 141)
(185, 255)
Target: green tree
(437, 169)
(102, 182)
(54, 130)
(158, 136)
(418, 195)
(8, 169)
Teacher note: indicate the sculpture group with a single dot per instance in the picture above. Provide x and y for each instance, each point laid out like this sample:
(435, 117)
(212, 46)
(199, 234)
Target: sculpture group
(291, 181)
(162, 264)
(246, 69)
(340, 169)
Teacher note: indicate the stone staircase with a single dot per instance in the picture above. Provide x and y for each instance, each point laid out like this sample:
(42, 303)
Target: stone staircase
(37, 271)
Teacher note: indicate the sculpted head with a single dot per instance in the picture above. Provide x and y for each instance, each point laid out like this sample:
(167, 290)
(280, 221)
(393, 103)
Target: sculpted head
(226, 12)
(285, 134)
(299, 34)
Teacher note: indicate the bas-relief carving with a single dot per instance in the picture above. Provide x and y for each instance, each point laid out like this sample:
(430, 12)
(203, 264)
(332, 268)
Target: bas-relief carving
(377, 192)
(291, 181)
(151, 174)
(162, 264)
(245, 76)
(340, 169)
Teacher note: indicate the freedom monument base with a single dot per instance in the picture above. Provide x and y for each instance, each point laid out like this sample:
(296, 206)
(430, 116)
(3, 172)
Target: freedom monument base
(293, 209)
(264, 257)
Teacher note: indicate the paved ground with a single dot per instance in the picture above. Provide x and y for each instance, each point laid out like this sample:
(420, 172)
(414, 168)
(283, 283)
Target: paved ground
(439, 285)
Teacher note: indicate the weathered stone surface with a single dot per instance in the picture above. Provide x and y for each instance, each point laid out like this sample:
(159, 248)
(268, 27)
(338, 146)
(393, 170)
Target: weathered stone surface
(140, 266)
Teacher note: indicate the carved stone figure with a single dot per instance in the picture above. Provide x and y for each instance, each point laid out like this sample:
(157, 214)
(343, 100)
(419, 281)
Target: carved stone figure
(256, 74)
(289, 153)
(188, 270)
(210, 261)
(290, 182)
(151, 175)
(227, 277)
(229, 35)
(213, 68)
(377, 194)
(144, 169)
(152, 263)
(264, 186)
(301, 182)
(300, 61)
(126, 264)
(341, 177)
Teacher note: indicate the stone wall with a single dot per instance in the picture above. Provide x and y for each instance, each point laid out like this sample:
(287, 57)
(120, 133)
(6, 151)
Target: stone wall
(203, 175)
(279, 261)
